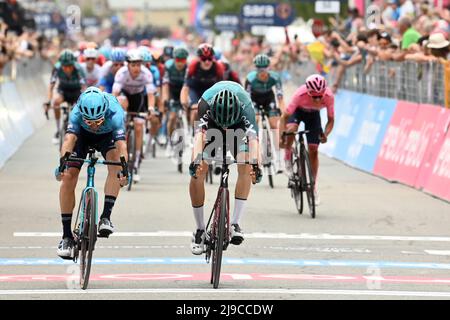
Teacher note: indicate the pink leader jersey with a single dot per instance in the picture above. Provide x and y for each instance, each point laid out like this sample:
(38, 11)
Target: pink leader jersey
(302, 100)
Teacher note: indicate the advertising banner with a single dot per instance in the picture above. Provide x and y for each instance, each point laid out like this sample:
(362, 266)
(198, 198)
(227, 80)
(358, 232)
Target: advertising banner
(394, 148)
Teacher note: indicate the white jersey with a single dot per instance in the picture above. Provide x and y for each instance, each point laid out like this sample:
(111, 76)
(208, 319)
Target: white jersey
(92, 77)
(106, 68)
(124, 82)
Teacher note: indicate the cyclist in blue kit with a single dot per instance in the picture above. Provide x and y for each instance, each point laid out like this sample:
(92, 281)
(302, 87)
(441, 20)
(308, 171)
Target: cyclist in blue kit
(97, 121)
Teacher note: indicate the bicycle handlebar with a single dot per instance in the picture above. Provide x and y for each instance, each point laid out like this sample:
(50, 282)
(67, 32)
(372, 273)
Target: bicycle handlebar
(63, 161)
(294, 133)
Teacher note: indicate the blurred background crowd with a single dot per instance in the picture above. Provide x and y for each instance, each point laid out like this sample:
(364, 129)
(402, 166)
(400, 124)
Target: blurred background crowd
(387, 31)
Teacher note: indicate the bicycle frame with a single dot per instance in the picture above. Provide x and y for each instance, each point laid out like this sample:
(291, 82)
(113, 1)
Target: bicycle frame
(92, 161)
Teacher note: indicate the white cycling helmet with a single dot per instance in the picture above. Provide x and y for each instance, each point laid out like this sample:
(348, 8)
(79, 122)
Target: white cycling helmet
(134, 55)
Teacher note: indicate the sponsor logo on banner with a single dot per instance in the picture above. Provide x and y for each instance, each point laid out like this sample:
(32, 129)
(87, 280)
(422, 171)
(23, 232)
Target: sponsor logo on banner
(394, 149)
(375, 115)
(439, 181)
(417, 143)
(434, 145)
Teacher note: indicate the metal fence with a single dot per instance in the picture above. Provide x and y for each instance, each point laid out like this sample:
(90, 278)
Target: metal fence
(410, 81)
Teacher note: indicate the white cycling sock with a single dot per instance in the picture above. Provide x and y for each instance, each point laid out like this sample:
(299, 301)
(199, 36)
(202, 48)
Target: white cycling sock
(239, 206)
(138, 157)
(199, 219)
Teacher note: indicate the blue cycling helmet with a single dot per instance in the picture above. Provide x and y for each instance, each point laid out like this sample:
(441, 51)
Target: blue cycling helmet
(147, 56)
(217, 53)
(118, 55)
(93, 104)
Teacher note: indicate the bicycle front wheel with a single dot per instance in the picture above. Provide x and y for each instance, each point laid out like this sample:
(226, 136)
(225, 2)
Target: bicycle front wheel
(88, 236)
(308, 183)
(222, 212)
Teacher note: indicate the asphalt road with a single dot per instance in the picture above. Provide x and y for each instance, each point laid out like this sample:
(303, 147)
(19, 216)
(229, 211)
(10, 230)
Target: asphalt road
(371, 239)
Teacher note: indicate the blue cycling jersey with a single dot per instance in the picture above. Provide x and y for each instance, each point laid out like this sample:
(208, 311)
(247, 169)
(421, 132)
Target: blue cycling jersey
(114, 120)
(156, 75)
(107, 82)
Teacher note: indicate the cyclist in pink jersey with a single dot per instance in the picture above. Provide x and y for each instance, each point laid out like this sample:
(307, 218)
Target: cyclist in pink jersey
(305, 106)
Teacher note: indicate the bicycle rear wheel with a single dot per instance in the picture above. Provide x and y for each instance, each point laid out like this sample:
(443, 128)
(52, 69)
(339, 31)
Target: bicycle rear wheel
(222, 211)
(308, 183)
(131, 147)
(88, 237)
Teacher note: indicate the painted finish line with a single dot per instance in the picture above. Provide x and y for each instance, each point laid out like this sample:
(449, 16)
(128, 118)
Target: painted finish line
(225, 277)
(230, 261)
(304, 236)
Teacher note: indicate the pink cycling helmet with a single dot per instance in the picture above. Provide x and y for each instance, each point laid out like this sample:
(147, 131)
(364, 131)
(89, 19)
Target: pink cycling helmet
(316, 85)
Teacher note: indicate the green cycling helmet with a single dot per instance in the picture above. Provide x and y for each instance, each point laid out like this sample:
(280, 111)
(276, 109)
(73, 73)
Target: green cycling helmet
(261, 61)
(67, 58)
(180, 53)
(226, 109)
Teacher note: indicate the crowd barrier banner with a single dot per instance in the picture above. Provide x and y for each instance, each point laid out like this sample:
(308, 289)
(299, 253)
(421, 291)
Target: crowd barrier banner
(347, 116)
(8, 143)
(368, 132)
(23, 127)
(394, 148)
(434, 146)
(439, 181)
(416, 145)
(21, 111)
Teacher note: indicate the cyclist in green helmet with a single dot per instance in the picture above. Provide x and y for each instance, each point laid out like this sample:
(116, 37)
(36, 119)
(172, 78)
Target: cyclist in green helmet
(173, 80)
(71, 82)
(260, 84)
(225, 114)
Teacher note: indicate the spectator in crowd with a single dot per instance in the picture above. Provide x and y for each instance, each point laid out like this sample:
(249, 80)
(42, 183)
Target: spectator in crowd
(13, 15)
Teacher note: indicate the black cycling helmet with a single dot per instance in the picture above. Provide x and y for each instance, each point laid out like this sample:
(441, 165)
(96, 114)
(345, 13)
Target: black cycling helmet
(226, 109)
(168, 51)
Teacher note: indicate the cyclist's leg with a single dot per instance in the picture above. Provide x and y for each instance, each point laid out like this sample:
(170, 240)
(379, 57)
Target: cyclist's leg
(194, 96)
(67, 199)
(242, 190)
(197, 194)
(57, 101)
(112, 185)
(173, 110)
(314, 126)
(291, 126)
(274, 117)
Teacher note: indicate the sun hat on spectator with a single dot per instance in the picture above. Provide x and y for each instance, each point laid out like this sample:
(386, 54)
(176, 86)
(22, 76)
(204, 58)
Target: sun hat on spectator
(437, 41)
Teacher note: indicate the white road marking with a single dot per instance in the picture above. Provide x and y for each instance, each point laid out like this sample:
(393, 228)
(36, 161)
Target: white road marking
(231, 291)
(304, 236)
(438, 252)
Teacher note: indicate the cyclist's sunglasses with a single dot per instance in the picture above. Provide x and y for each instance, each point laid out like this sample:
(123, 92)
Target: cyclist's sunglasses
(261, 69)
(179, 60)
(204, 59)
(98, 122)
(316, 97)
(118, 64)
(92, 59)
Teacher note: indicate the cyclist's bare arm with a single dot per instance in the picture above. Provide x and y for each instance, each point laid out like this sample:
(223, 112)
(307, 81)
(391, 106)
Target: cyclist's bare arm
(51, 87)
(328, 128)
(165, 92)
(184, 96)
(121, 146)
(69, 143)
(151, 101)
(281, 104)
(199, 144)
